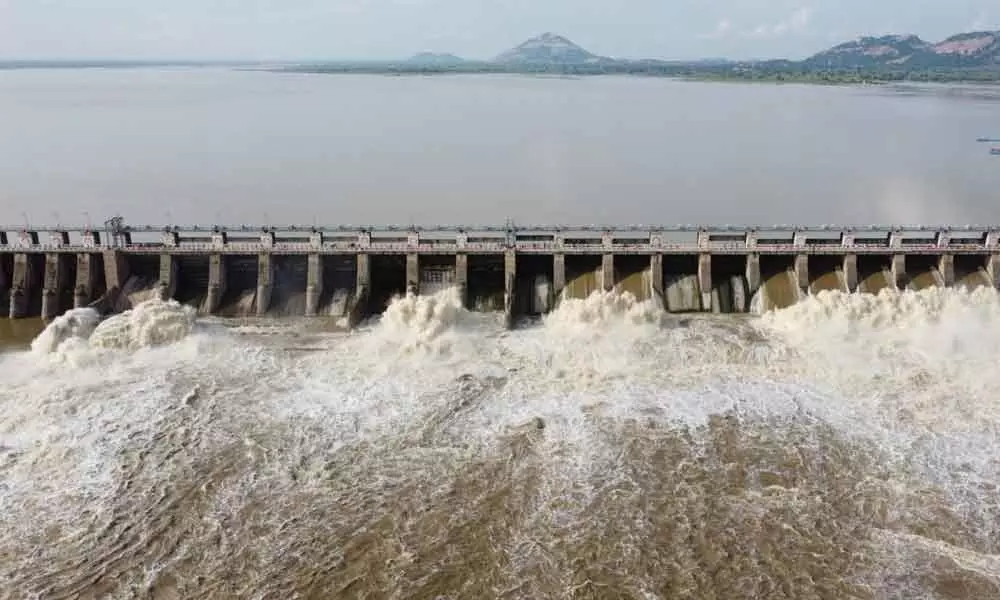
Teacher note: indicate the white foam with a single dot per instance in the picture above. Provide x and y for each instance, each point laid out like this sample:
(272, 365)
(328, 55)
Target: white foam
(602, 309)
(76, 324)
(152, 323)
(423, 324)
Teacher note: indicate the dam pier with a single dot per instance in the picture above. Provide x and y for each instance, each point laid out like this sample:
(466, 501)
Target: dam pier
(352, 272)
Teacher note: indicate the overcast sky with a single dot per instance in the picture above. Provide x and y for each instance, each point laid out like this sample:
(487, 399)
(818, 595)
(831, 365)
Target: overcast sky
(290, 29)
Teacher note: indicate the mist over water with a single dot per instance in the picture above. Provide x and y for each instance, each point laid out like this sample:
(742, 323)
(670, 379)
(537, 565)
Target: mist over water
(845, 447)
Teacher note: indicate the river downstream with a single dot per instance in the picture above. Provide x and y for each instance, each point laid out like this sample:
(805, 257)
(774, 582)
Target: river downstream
(845, 447)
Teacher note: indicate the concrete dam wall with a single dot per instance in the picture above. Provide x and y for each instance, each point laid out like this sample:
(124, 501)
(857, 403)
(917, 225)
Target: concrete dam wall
(353, 273)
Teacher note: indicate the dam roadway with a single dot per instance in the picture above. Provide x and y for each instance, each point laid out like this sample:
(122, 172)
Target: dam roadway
(352, 272)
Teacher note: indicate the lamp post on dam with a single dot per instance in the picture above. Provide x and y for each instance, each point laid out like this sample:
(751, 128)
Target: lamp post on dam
(353, 271)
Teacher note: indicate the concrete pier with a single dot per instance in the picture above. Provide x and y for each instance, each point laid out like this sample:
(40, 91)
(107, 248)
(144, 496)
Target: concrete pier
(558, 277)
(705, 281)
(53, 285)
(946, 266)
(358, 306)
(216, 283)
(509, 287)
(656, 278)
(116, 274)
(608, 272)
(314, 284)
(850, 267)
(993, 269)
(706, 268)
(898, 270)
(462, 277)
(21, 286)
(86, 280)
(413, 273)
(753, 273)
(265, 283)
(167, 283)
(802, 271)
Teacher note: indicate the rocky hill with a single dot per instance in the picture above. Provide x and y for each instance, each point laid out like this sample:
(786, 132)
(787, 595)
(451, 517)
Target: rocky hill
(974, 49)
(549, 48)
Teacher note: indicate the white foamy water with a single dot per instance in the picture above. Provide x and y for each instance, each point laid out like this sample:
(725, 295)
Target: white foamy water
(81, 331)
(844, 447)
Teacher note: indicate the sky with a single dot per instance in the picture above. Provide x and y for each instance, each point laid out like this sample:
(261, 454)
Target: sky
(382, 29)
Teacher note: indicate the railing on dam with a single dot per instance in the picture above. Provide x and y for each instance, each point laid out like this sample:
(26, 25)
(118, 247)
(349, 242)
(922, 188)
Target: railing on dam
(350, 271)
(445, 239)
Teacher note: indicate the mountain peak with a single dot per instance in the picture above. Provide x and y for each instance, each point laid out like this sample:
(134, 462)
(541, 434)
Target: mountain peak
(548, 47)
(550, 37)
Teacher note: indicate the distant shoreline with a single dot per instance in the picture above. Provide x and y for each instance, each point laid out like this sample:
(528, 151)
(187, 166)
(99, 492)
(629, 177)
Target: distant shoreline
(725, 72)
(747, 73)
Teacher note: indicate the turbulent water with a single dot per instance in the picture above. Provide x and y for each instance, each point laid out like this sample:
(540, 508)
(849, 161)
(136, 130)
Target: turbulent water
(845, 447)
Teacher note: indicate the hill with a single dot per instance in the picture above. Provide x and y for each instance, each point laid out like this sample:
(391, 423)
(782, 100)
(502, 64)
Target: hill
(549, 48)
(435, 58)
(974, 49)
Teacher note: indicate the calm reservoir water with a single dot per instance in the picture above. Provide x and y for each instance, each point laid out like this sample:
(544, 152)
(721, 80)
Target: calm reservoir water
(217, 145)
(845, 447)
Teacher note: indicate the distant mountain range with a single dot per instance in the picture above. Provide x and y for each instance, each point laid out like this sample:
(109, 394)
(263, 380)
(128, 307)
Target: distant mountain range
(974, 49)
(965, 57)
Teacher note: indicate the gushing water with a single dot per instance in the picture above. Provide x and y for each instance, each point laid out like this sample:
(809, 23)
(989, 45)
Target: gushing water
(844, 447)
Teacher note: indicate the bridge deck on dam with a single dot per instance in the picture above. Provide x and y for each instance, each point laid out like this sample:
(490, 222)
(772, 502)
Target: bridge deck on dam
(349, 272)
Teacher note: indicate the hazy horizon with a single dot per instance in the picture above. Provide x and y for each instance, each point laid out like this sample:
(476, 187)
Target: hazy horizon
(366, 30)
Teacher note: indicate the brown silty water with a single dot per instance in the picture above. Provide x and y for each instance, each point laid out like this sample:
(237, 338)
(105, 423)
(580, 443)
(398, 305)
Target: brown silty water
(632, 275)
(583, 276)
(16, 334)
(429, 456)
(826, 274)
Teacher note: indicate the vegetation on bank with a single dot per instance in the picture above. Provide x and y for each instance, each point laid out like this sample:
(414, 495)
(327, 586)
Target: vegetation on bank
(774, 71)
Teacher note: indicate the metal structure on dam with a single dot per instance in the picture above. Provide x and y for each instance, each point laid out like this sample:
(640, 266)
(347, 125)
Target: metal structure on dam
(351, 272)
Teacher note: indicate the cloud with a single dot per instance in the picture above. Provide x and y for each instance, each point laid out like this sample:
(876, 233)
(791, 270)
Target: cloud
(981, 23)
(795, 24)
(722, 29)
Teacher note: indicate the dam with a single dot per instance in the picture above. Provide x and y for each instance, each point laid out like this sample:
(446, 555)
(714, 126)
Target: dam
(352, 272)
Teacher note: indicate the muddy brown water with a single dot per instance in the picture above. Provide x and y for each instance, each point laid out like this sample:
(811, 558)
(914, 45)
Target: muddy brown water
(706, 457)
